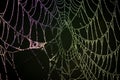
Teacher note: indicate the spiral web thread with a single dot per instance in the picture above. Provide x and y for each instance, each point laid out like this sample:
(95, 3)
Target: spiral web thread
(84, 42)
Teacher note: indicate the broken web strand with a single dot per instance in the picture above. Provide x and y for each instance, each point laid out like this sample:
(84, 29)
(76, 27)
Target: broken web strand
(31, 47)
(21, 34)
(36, 45)
(44, 48)
(84, 42)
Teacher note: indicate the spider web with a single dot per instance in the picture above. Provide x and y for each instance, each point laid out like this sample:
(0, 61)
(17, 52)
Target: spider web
(69, 39)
